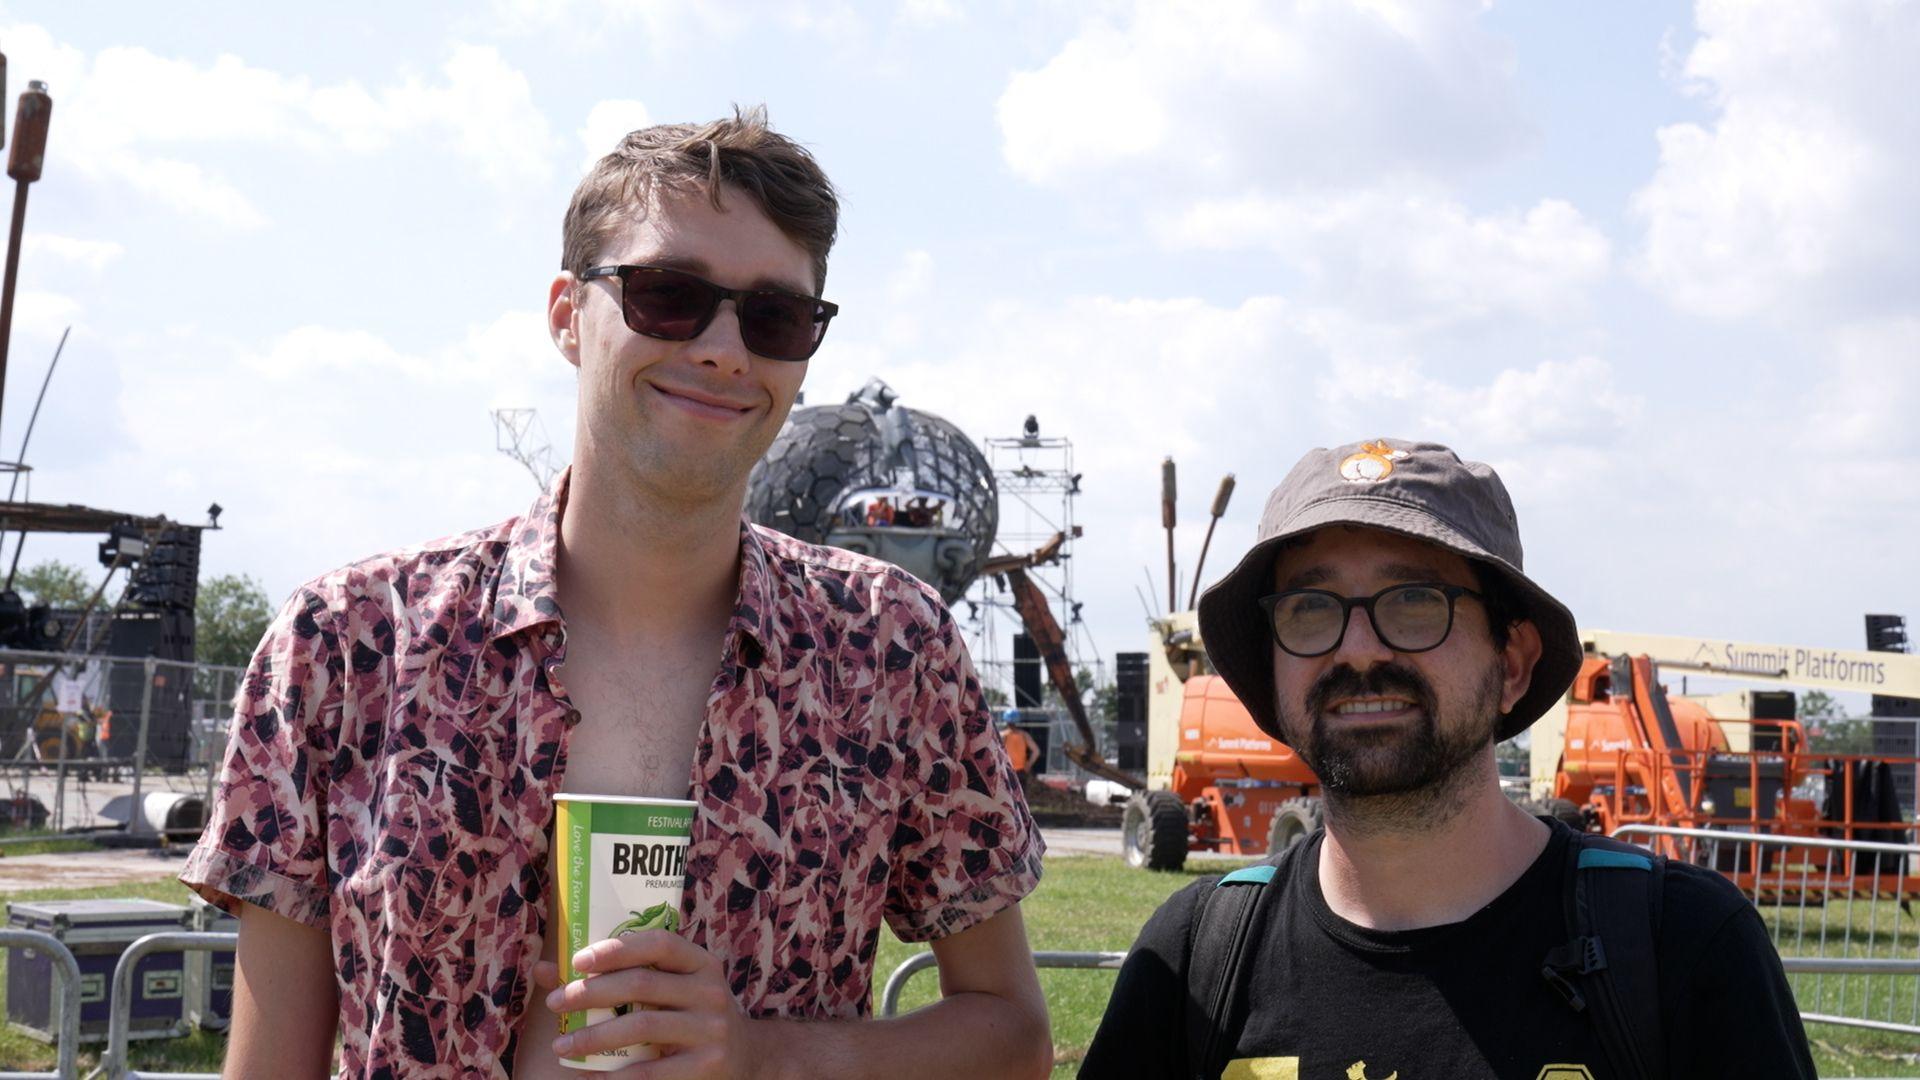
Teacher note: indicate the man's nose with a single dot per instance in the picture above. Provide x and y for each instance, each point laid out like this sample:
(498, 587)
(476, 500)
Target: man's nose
(1361, 647)
(720, 344)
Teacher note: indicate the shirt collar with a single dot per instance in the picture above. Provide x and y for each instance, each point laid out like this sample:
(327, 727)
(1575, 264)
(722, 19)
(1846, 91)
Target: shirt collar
(528, 595)
(753, 616)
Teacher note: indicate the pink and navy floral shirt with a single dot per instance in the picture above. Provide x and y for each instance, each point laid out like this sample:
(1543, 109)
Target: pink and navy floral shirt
(397, 744)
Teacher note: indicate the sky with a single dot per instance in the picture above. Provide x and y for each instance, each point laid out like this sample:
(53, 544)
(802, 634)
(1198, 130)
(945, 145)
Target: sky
(1654, 262)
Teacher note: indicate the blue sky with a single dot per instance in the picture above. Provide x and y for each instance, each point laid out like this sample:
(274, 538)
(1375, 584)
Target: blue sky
(1653, 261)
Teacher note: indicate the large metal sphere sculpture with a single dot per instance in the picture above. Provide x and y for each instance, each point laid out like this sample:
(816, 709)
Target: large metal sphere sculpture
(883, 480)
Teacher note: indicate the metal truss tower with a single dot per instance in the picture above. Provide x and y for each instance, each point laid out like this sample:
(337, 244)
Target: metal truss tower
(1038, 485)
(519, 434)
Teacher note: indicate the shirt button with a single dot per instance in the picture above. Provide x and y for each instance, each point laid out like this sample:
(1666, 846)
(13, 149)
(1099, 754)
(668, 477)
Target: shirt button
(573, 718)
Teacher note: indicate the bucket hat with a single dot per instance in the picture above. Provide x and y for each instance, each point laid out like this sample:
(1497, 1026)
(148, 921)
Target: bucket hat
(1417, 489)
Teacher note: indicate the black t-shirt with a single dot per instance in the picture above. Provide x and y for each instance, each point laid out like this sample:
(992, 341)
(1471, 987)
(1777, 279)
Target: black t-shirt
(1327, 1000)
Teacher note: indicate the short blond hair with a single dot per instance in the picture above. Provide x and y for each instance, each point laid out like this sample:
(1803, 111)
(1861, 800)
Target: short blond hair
(778, 174)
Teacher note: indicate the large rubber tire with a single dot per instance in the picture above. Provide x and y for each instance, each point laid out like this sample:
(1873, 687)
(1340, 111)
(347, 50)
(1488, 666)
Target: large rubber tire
(1296, 819)
(1153, 832)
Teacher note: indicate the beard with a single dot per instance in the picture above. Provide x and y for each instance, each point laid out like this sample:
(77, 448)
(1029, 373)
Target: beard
(1423, 758)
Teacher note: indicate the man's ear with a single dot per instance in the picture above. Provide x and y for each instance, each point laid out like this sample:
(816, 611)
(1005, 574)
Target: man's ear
(1516, 662)
(563, 318)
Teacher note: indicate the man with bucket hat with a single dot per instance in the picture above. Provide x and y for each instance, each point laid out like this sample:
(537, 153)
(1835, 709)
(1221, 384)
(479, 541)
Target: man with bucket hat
(1384, 628)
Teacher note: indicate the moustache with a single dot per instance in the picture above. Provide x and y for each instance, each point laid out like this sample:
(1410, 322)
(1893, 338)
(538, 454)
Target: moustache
(1379, 681)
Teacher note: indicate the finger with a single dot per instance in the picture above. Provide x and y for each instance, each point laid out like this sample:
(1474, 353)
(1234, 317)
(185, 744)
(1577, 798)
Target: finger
(661, 949)
(546, 974)
(643, 986)
(661, 1027)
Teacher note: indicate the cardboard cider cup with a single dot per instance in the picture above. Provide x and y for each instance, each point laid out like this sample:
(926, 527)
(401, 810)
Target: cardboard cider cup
(620, 864)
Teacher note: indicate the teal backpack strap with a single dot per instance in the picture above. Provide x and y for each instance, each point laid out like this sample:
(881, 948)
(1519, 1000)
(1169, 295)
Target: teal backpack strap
(1608, 970)
(1216, 954)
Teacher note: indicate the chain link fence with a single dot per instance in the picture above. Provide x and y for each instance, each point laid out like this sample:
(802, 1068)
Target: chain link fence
(91, 742)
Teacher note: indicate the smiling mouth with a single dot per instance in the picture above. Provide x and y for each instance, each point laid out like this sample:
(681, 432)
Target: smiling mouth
(701, 404)
(1373, 706)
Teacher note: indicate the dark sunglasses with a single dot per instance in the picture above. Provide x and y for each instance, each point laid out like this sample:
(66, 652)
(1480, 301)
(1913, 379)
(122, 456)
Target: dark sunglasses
(1406, 618)
(673, 305)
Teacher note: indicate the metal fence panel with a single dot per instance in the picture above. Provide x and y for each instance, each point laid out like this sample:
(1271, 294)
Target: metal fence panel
(67, 1042)
(1852, 954)
(918, 962)
(77, 730)
(120, 1017)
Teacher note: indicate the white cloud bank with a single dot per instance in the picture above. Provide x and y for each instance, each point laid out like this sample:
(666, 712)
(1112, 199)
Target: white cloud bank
(129, 117)
(1222, 94)
(1800, 195)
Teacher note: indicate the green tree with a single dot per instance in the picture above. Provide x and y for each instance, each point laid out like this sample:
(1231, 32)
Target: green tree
(1817, 705)
(1829, 730)
(54, 583)
(230, 617)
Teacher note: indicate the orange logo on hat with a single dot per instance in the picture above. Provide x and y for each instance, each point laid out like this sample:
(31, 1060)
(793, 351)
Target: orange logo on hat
(1372, 463)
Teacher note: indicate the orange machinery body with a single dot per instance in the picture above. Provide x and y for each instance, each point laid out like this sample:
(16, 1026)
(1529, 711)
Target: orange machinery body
(1627, 764)
(1232, 776)
(1605, 736)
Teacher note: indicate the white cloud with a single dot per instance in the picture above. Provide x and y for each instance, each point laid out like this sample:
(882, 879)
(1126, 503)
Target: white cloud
(596, 24)
(929, 12)
(1865, 396)
(93, 255)
(44, 315)
(1412, 254)
(128, 116)
(1799, 194)
(1554, 402)
(1224, 95)
(318, 442)
(607, 123)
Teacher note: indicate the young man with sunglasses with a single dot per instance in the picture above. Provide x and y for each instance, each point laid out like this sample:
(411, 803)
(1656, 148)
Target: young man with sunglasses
(383, 824)
(1382, 627)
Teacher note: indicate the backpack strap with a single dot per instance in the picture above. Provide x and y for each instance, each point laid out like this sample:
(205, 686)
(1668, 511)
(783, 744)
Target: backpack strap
(1608, 970)
(1216, 953)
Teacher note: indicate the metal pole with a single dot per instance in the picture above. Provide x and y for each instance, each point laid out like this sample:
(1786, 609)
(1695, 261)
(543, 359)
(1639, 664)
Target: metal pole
(24, 163)
(21, 461)
(136, 819)
(69, 969)
(60, 778)
(1220, 499)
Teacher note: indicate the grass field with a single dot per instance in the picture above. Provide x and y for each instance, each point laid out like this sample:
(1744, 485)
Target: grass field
(1084, 904)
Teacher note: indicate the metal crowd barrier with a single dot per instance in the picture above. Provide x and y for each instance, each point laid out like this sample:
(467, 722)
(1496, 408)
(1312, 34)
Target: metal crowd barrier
(113, 1065)
(1866, 991)
(918, 962)
(68, 1043)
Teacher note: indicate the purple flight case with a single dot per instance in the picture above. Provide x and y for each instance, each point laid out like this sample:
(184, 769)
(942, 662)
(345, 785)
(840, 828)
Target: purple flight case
(97, 932)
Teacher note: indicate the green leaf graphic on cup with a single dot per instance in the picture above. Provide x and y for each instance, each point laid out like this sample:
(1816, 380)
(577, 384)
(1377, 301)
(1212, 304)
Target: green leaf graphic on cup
(660, 916)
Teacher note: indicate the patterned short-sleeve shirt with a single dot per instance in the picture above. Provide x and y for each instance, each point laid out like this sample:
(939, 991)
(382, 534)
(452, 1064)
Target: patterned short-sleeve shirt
(397, 744)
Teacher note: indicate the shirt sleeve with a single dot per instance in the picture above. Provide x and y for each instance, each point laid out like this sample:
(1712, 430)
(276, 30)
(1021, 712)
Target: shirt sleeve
(1144, 1030)
(1731, 1011)
(265, 840)
(965, 846)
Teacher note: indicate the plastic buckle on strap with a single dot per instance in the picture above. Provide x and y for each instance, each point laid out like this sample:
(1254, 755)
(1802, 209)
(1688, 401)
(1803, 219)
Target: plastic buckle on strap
(1581, 956)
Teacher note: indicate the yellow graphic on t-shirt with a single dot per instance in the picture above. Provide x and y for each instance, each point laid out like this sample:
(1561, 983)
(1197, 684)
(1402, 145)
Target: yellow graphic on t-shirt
(1564, 1072)
(1358, 1071)
(1262, 1069)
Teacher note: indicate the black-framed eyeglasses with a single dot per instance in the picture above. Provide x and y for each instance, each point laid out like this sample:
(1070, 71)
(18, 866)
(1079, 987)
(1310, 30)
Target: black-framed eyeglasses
(673, 305)
(1406, 618)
